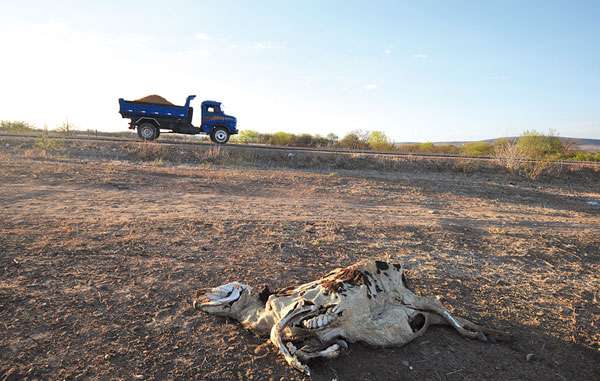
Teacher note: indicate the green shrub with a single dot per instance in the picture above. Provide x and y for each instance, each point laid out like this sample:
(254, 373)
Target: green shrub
(447, 149)
(535, 145)
(585, 156)
(248, 137)
(282, 138)
(378, 141)
(426, 147)
(429, 148)
(477, 149)
(354, 140)
(303, 140)
(501, 142)
(320, 141)
(264, 138)
(331, 139)
(534, 157)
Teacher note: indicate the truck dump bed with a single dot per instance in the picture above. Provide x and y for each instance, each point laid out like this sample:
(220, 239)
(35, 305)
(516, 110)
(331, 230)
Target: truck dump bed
(134, 109)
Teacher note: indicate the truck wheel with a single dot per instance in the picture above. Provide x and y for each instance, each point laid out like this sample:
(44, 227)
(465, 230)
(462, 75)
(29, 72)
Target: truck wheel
(219, 135)
(147, 131)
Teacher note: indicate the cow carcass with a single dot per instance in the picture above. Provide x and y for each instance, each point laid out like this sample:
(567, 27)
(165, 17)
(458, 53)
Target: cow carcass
(366, 302)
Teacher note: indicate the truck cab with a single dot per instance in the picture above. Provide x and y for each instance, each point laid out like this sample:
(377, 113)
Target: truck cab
(216, 123)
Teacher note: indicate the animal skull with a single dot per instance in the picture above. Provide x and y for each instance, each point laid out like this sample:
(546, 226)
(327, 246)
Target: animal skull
(367, 302)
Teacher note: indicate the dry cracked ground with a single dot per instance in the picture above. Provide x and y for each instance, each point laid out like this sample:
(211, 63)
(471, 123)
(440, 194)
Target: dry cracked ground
(99, 261)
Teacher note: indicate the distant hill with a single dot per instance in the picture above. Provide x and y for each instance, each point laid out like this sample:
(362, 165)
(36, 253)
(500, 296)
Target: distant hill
(583, 144)
(578, 143)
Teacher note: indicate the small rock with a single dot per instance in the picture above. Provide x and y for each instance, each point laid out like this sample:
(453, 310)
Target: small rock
(530, 357)
(405, 363)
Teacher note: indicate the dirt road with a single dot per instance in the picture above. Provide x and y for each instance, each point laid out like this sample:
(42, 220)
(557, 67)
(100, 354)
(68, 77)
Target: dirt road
(99, 261)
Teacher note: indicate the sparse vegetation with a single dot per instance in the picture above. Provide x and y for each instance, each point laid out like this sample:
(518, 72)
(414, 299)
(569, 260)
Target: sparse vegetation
(429, 148)
(66, 128)
(45, 145)
(149, 151)
(12, 126)
(358, 140)
(583, 156)
(426, 147)
(548, 149)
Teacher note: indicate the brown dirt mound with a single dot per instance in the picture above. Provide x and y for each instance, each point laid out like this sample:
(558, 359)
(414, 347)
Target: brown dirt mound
(155, 99)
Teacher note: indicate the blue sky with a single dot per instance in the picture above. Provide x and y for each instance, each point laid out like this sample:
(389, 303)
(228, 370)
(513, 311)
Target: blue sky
(419, 71)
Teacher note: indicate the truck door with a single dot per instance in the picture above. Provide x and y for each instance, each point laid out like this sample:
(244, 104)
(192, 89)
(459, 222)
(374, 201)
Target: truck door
(208, 111)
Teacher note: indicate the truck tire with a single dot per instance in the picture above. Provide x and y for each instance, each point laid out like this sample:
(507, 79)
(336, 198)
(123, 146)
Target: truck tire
(147, 131)
(219, 135)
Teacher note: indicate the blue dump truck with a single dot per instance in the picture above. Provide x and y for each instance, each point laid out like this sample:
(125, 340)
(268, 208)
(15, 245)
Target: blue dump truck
(152, 114)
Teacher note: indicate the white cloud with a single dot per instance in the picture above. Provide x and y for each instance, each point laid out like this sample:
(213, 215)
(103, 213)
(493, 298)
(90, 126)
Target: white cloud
(420, 56)
(202, 37)
(370, 86)
(387, 51)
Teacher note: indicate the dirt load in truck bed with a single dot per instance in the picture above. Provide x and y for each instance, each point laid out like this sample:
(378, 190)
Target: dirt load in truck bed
(154, 99)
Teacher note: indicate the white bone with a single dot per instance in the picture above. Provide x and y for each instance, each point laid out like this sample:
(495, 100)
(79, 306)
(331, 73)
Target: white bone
(224, 294)
(331, 352)
(276, 337)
